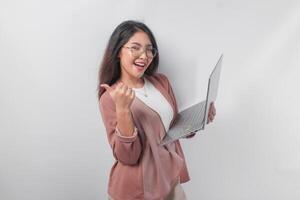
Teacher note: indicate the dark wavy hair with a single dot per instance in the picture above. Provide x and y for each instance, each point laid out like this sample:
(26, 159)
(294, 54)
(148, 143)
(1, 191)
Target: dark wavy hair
(110, 71)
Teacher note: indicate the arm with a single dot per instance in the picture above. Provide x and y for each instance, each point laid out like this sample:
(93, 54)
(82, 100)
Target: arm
(122, 134)
(171, 93)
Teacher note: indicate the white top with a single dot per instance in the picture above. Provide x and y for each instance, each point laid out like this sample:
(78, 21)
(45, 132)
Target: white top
(156, 101)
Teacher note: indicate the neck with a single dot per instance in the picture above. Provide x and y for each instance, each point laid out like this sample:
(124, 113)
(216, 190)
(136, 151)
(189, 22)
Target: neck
(132, 82)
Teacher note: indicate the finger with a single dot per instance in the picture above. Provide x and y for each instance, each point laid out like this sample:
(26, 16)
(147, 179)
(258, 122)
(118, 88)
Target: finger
(210, 112)
(122, 87)
(128, 92)
(209, 119)
(210, 107)
(212, 118)
(119, 85)
(214, 110)
(192, 134)
(125, 89)
(132, 94)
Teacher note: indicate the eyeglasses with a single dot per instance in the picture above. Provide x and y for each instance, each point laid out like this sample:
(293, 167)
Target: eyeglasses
(137, 51)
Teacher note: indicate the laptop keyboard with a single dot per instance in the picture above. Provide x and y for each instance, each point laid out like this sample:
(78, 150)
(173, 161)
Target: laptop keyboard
(192, 116)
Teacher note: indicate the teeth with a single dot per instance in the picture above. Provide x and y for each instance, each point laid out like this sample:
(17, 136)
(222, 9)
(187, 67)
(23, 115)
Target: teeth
(141, 65)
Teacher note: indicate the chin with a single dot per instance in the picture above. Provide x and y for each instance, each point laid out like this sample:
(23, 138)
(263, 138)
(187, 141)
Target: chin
(140, 75)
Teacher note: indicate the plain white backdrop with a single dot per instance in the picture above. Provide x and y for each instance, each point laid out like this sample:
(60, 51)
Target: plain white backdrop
(53, 144)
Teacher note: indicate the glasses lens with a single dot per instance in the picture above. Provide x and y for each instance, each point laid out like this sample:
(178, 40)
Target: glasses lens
(137, 51)
(152, 53)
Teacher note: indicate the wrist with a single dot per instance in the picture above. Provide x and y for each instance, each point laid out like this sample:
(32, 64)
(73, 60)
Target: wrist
(122, 110)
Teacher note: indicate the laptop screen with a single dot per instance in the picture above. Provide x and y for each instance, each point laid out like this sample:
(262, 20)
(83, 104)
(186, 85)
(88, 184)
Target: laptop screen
(212, 90)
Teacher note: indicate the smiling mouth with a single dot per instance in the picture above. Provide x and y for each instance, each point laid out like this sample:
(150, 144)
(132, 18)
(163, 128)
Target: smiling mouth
(139, 68)
(140, 64)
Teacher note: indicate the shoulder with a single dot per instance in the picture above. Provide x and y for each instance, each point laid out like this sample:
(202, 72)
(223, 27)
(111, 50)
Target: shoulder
(106, 102)
(161, 78)
(159, 75)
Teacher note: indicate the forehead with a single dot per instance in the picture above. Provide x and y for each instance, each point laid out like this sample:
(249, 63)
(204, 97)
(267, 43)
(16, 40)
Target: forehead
(140, 38)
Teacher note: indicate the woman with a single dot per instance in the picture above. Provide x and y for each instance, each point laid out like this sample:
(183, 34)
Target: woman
(135, 126)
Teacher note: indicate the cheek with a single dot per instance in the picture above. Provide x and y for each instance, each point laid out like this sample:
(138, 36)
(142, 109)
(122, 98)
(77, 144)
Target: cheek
(127, 61)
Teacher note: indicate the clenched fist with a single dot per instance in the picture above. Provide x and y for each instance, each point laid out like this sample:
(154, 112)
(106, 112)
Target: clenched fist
(122, 95)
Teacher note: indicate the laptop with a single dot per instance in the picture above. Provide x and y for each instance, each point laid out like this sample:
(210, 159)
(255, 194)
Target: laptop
(194, 118)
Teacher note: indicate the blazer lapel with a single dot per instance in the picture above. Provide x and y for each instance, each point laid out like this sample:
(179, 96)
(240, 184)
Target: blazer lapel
(163, 91)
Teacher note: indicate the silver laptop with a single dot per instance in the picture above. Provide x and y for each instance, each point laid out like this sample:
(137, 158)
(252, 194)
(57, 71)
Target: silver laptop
(194, 118)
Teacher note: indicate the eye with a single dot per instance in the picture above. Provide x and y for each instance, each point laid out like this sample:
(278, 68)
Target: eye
(136, 48)
(149, 49)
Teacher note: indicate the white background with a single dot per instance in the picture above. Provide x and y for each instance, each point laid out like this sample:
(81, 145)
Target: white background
(53, 144)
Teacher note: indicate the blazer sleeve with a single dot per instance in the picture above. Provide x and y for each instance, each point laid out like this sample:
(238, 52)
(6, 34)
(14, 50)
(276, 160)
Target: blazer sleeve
(171, 93)
(125, 149)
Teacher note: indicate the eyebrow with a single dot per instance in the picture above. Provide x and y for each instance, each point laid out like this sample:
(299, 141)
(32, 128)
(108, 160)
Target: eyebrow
(148, 45)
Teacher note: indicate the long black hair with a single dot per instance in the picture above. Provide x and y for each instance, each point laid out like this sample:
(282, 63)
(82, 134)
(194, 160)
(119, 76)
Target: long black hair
(110, 71)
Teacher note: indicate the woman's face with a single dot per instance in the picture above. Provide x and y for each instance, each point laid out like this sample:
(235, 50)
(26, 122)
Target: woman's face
(133, 55)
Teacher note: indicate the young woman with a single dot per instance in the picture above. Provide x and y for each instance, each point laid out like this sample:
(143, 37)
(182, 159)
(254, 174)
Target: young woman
(138, 106)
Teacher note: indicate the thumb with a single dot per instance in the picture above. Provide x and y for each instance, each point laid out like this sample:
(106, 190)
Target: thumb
(107, 87)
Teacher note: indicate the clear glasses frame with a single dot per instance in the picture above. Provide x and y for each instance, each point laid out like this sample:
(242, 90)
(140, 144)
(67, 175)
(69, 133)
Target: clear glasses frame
(138, 51)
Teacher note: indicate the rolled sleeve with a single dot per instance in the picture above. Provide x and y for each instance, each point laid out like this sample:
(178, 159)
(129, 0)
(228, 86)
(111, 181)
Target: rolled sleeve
(126, 149)
(123, 138)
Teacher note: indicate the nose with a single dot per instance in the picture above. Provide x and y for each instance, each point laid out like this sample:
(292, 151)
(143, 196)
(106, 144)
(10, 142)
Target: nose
(143, 54)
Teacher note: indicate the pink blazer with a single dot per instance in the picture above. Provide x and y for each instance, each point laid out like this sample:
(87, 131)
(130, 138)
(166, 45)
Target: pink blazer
(143, 169)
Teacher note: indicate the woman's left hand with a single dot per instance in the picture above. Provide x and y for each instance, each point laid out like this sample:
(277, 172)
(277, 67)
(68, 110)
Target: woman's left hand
(210, 118)
(211, 113)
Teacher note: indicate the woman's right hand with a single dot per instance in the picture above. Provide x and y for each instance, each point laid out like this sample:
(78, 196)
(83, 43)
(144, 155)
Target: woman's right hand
(122, 95)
